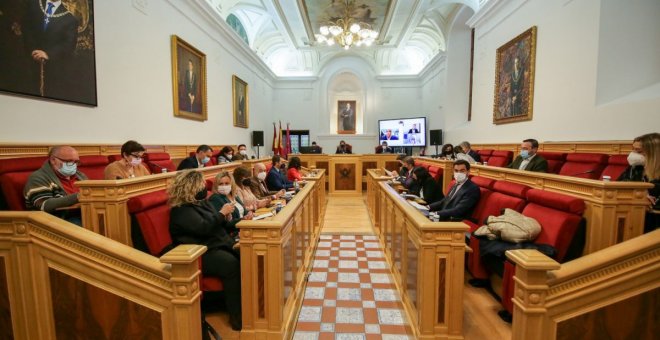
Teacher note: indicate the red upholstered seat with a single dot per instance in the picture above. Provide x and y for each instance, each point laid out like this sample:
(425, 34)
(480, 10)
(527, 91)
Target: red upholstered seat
(616, 165)
(555, 160)
(153, 215)
(483, 182)
(114, 158)
(14, 173)
(93, 166)
(585, 165)
(436, 173)
(560, 216)
(268, 167)
(500, 158)
(423, 165)
(157, 161)
(484, 154)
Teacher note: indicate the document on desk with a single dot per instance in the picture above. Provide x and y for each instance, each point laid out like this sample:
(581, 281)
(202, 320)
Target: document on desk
(262, 216)
(417, 205)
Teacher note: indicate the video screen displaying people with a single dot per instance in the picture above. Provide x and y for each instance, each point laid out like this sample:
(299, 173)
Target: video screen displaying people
(403, 132)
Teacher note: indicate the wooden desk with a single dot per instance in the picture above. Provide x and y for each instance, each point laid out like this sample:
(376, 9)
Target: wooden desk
(347, 173)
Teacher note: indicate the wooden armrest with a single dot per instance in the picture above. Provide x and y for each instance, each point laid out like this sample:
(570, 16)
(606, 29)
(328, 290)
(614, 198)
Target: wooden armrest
(71, 207)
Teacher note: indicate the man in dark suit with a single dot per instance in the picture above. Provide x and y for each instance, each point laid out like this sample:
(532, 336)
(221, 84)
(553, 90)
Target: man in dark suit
(275, 179)
(343, 148)
(462, 197)
(528, 159)
(199, 160)
(384, 148)
(468, 151)
(51, 34)
(190, 86)
(315, 148)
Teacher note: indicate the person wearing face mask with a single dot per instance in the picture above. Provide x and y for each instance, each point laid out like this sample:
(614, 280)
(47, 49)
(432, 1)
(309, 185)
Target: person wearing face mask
(461, 155)
(448, 152)
(242, 151)
(51, 188)
(258, 184)
(429, 190)
(226, 155)
(130, 165)
(200, 159)
(275, 179)
(224, 192)
(528, 160)
(463, 196)
(405, 175)
(343, 148)
(244, 192)
(644, 166)
(293, 173)
(194, 220)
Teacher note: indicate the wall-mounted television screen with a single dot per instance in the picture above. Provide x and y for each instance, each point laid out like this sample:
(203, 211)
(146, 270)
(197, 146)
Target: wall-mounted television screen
(402, 132)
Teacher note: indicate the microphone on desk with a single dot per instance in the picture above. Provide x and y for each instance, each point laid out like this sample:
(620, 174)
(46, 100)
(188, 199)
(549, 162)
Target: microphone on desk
(582, 173)
(162, 168)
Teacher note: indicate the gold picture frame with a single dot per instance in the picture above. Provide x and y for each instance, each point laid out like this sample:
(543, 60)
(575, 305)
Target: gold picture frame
(346, 117)
(514, 79)
(241, 102)
(188, 80)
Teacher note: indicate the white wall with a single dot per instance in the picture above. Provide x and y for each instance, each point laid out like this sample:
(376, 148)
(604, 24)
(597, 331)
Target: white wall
(568, 55)
(134, 84)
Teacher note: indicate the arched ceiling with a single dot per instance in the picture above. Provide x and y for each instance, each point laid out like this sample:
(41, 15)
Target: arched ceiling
(281, 32)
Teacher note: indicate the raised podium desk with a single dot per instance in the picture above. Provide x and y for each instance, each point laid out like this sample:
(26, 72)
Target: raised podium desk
(347, 173)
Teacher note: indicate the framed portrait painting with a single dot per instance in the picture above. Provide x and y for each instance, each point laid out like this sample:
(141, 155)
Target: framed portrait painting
(346, 116)
(514, 79)
(241, 107)
(47, 50)
(188, 80)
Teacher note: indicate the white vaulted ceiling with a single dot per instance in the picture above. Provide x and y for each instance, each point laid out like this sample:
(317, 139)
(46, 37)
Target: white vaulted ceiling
(281, 33)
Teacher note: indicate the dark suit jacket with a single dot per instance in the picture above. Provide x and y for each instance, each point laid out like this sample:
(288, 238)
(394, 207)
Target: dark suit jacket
(460, 206)
(218, 200)
(347, 149)
(537, 164)
(474, 155)
(259, 188)
(432, 191)
(188, 163)
(199, 224)
(276, 181)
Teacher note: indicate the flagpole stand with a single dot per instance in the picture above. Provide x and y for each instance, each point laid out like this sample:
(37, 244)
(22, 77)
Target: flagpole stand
(257, 151)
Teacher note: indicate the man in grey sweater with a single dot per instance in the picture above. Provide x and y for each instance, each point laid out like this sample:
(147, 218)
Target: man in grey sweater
(51, 188)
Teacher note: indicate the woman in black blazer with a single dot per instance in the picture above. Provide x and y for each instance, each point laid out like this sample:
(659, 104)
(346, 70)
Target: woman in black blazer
(224, 192)
(429, 190)
(194, 220)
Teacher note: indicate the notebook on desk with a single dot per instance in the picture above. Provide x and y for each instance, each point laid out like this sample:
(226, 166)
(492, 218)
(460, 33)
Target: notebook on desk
(418, 206)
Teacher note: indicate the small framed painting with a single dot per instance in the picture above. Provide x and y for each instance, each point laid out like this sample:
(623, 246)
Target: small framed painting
(239, 89)
(346, 116)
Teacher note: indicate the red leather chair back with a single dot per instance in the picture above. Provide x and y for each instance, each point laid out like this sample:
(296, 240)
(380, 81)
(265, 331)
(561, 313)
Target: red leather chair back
(114, 158)
(484, 154)
(436, 173)
(483, 182)
(555, 160)
(157, 161)
(504, 195)
(14, 173)
(585, 165)
(616, 165)
(500, 158)
(93, 166)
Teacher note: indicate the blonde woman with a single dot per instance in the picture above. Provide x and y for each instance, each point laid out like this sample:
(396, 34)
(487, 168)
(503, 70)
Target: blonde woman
(194, 220)
(644, 166)
(224, 192)
(243, 191)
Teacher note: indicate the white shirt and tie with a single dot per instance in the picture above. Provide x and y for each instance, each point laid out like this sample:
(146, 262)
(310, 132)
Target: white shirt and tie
(524, 162)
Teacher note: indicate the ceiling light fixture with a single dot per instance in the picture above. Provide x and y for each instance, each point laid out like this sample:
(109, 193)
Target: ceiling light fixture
(347, 31)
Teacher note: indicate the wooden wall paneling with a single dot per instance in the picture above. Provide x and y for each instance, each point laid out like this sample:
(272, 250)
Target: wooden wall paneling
(6, 328)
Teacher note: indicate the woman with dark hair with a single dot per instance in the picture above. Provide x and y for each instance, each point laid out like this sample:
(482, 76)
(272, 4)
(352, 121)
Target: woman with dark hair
(244, 191)
(226, 155)
(293, 173)
(194, 220)
(429, 190)
(130, 165)
(224, 192)
(448, 152)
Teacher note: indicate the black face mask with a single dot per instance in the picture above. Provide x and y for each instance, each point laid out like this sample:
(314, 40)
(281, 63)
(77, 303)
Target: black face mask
(246, 181)
(201, 195)
(404, 169)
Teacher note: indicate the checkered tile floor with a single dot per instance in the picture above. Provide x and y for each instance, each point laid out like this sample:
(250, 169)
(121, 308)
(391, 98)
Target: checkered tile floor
(351, 294)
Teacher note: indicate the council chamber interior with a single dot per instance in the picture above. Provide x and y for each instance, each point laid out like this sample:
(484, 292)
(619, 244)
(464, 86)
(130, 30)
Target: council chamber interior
(352, 169)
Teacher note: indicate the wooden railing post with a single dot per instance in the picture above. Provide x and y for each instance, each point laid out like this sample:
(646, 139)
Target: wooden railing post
(531, 289)
(185, 317)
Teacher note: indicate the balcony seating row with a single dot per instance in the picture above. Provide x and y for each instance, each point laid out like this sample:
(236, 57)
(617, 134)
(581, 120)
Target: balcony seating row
(14, 173)
(584, 165)
(560, 217)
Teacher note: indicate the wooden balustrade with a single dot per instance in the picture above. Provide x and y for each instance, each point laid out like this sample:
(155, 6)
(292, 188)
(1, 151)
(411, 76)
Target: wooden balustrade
(610, 294)
(276, 257)
(615, 210)
(427, 260)
(60, 281)
(103, 203)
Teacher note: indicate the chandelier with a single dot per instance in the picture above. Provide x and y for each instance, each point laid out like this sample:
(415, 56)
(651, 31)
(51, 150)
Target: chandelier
(346, 31)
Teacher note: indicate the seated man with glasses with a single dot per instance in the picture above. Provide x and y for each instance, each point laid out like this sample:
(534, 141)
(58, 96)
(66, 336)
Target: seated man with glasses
(130, 165)
(51, 188)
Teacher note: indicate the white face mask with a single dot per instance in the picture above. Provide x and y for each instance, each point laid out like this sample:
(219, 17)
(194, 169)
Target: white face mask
(136, 161)
(635, 159)
(229, 156)
(243, 152)
(224, 189)
(261, 176)
(460, 177)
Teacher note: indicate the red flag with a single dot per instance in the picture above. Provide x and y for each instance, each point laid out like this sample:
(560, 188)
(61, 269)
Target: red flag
(279, 140)
(275, 152)
(288, 139)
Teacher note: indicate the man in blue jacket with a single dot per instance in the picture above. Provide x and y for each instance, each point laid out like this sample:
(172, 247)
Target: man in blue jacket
(276, 180)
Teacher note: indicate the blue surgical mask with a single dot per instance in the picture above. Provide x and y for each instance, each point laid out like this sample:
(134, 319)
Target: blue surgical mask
(524, 154)
(68, 169)
(205, 160)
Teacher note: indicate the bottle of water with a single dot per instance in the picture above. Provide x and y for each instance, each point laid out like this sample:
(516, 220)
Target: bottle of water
(296, 186)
